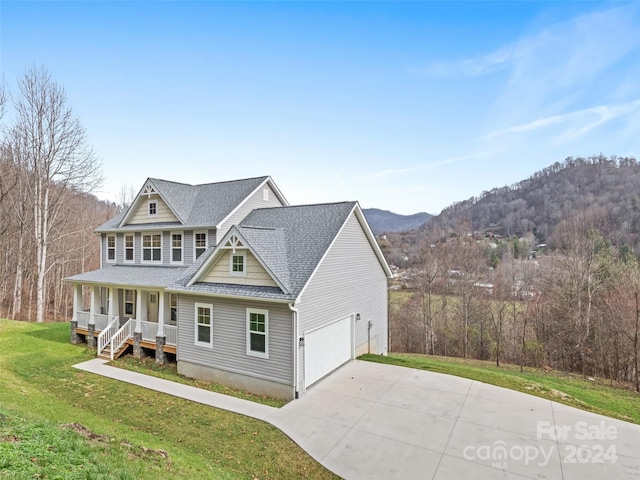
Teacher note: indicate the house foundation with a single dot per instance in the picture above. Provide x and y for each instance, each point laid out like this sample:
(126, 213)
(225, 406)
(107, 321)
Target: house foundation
(160, 356)
(75, 337)
(91, 337)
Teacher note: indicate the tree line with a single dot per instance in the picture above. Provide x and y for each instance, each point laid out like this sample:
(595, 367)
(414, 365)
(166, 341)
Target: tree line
(575, 308)
(47, 210)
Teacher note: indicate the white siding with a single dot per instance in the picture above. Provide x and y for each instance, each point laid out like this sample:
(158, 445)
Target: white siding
(256, 274)
(229, 351)
(253, 202)
(142, 214)
(349, 280)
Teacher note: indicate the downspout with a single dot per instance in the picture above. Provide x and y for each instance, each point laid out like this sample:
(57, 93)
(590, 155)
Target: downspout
(296, 350)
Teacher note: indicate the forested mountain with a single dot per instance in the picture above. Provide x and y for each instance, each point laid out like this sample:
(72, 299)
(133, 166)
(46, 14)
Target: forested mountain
(382, 221)
(608, 188)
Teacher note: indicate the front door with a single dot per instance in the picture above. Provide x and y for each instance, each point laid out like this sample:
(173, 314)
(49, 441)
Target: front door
(152, 312)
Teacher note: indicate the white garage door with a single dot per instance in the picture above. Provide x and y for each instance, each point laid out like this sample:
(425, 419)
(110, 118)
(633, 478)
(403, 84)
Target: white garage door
(326, 348)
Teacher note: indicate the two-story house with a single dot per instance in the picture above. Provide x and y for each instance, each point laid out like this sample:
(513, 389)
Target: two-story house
(242, 288)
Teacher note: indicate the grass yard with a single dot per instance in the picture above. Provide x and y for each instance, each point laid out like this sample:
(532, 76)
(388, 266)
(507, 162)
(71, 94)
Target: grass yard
(57, 422)
(574, 390)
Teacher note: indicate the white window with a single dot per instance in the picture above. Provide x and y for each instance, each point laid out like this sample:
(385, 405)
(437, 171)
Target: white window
(153, 208)
(258, 332)
(130, 303)
(238, 264)
(265, 194)
(128, 248)
(152, 247)
(176, 248)
(204, 324)
(111, 248)
(199, 243)
(173, 301)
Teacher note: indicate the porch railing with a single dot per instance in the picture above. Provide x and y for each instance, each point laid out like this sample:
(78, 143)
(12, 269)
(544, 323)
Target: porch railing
(121, 336)
(149, 331)
(171, 332)
(83, 319)
(101, 321)
(106, 335)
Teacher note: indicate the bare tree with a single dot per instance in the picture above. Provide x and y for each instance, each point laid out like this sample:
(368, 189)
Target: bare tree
(55, 158)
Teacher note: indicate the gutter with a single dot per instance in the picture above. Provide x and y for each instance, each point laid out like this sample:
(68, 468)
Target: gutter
(295, 348)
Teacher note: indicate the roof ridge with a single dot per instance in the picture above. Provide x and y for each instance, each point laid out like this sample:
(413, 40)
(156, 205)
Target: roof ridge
(344, 202)
(209, 183)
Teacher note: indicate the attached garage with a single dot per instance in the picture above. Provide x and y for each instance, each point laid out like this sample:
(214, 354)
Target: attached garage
(326, 348)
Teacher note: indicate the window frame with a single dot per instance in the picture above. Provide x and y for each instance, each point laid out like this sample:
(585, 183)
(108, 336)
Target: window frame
(195, 247)
(242, 254)
(153, 202)
(196, 324)
(172, 248)
(133, 248)
(152, 248)
(173, 308)
(257, 353)
(132, 302)
(111, 249)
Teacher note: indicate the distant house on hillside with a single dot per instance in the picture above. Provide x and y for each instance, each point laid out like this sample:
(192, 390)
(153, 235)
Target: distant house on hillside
(236, 285)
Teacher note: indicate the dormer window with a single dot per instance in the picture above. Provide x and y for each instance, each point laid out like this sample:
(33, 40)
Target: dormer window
(111, 248)
(237, 266)
(153, 208)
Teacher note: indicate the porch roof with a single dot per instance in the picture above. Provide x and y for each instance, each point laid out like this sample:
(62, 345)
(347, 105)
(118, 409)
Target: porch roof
(229, 290)
(128, 275)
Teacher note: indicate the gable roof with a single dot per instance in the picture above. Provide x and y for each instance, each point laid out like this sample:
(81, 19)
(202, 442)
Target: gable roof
(205, 205)
(290, 242)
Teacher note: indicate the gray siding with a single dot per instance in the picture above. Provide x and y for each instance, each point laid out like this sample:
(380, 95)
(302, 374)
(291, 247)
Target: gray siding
(187, 247)
(349, 280)
(253, 202)
(229, 350)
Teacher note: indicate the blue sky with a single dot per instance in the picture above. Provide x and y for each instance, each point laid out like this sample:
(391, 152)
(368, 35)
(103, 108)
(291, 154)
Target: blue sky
(405, 106)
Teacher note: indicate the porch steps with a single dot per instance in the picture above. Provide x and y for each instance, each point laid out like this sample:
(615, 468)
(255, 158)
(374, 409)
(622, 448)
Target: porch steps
(106, 352)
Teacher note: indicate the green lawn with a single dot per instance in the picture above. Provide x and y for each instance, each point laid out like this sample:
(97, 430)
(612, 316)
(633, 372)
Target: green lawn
(574, 390)
(135, 433)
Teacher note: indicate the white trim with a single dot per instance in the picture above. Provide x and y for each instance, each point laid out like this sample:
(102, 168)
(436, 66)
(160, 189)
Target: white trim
(171, 248)
(367, 232)
(206, 242)
(149, 203)
(133, 248)
(115, 252)
(132, 302)
(243, 273)
(142, 247)
(198, 343)
(273, 186)
(220, 249)
(254, 353)
(135, 205)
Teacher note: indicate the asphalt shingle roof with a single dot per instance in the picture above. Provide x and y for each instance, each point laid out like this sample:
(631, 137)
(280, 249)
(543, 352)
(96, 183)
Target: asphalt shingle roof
(203, 205)
(134, 275)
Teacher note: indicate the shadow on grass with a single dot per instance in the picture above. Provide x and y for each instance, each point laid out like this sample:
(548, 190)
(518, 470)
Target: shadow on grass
(52, 332)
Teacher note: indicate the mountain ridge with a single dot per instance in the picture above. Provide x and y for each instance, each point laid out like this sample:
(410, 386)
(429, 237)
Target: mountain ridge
(385, 221)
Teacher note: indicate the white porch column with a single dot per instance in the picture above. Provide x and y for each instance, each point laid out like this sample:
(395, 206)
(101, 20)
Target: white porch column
(115, 302)
(161, 307)
(78, 303)
(95, 304)
(112, 306)
(139, 310)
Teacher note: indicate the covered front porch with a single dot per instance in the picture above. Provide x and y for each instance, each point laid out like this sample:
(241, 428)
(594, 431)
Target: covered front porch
(118, 317)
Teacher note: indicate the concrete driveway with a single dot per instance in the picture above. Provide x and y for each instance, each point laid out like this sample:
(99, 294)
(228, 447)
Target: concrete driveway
(369, 421)
(374, 421)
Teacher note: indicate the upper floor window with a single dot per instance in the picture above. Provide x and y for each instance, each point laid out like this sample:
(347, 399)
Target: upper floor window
(152, 247)
(111, 248)
(153, 208)
(176, 247)
(265, 194)
(128, 248)
(237, 266)
(200, 243)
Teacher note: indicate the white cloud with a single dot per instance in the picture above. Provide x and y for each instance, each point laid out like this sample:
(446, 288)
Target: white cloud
(577, 123)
